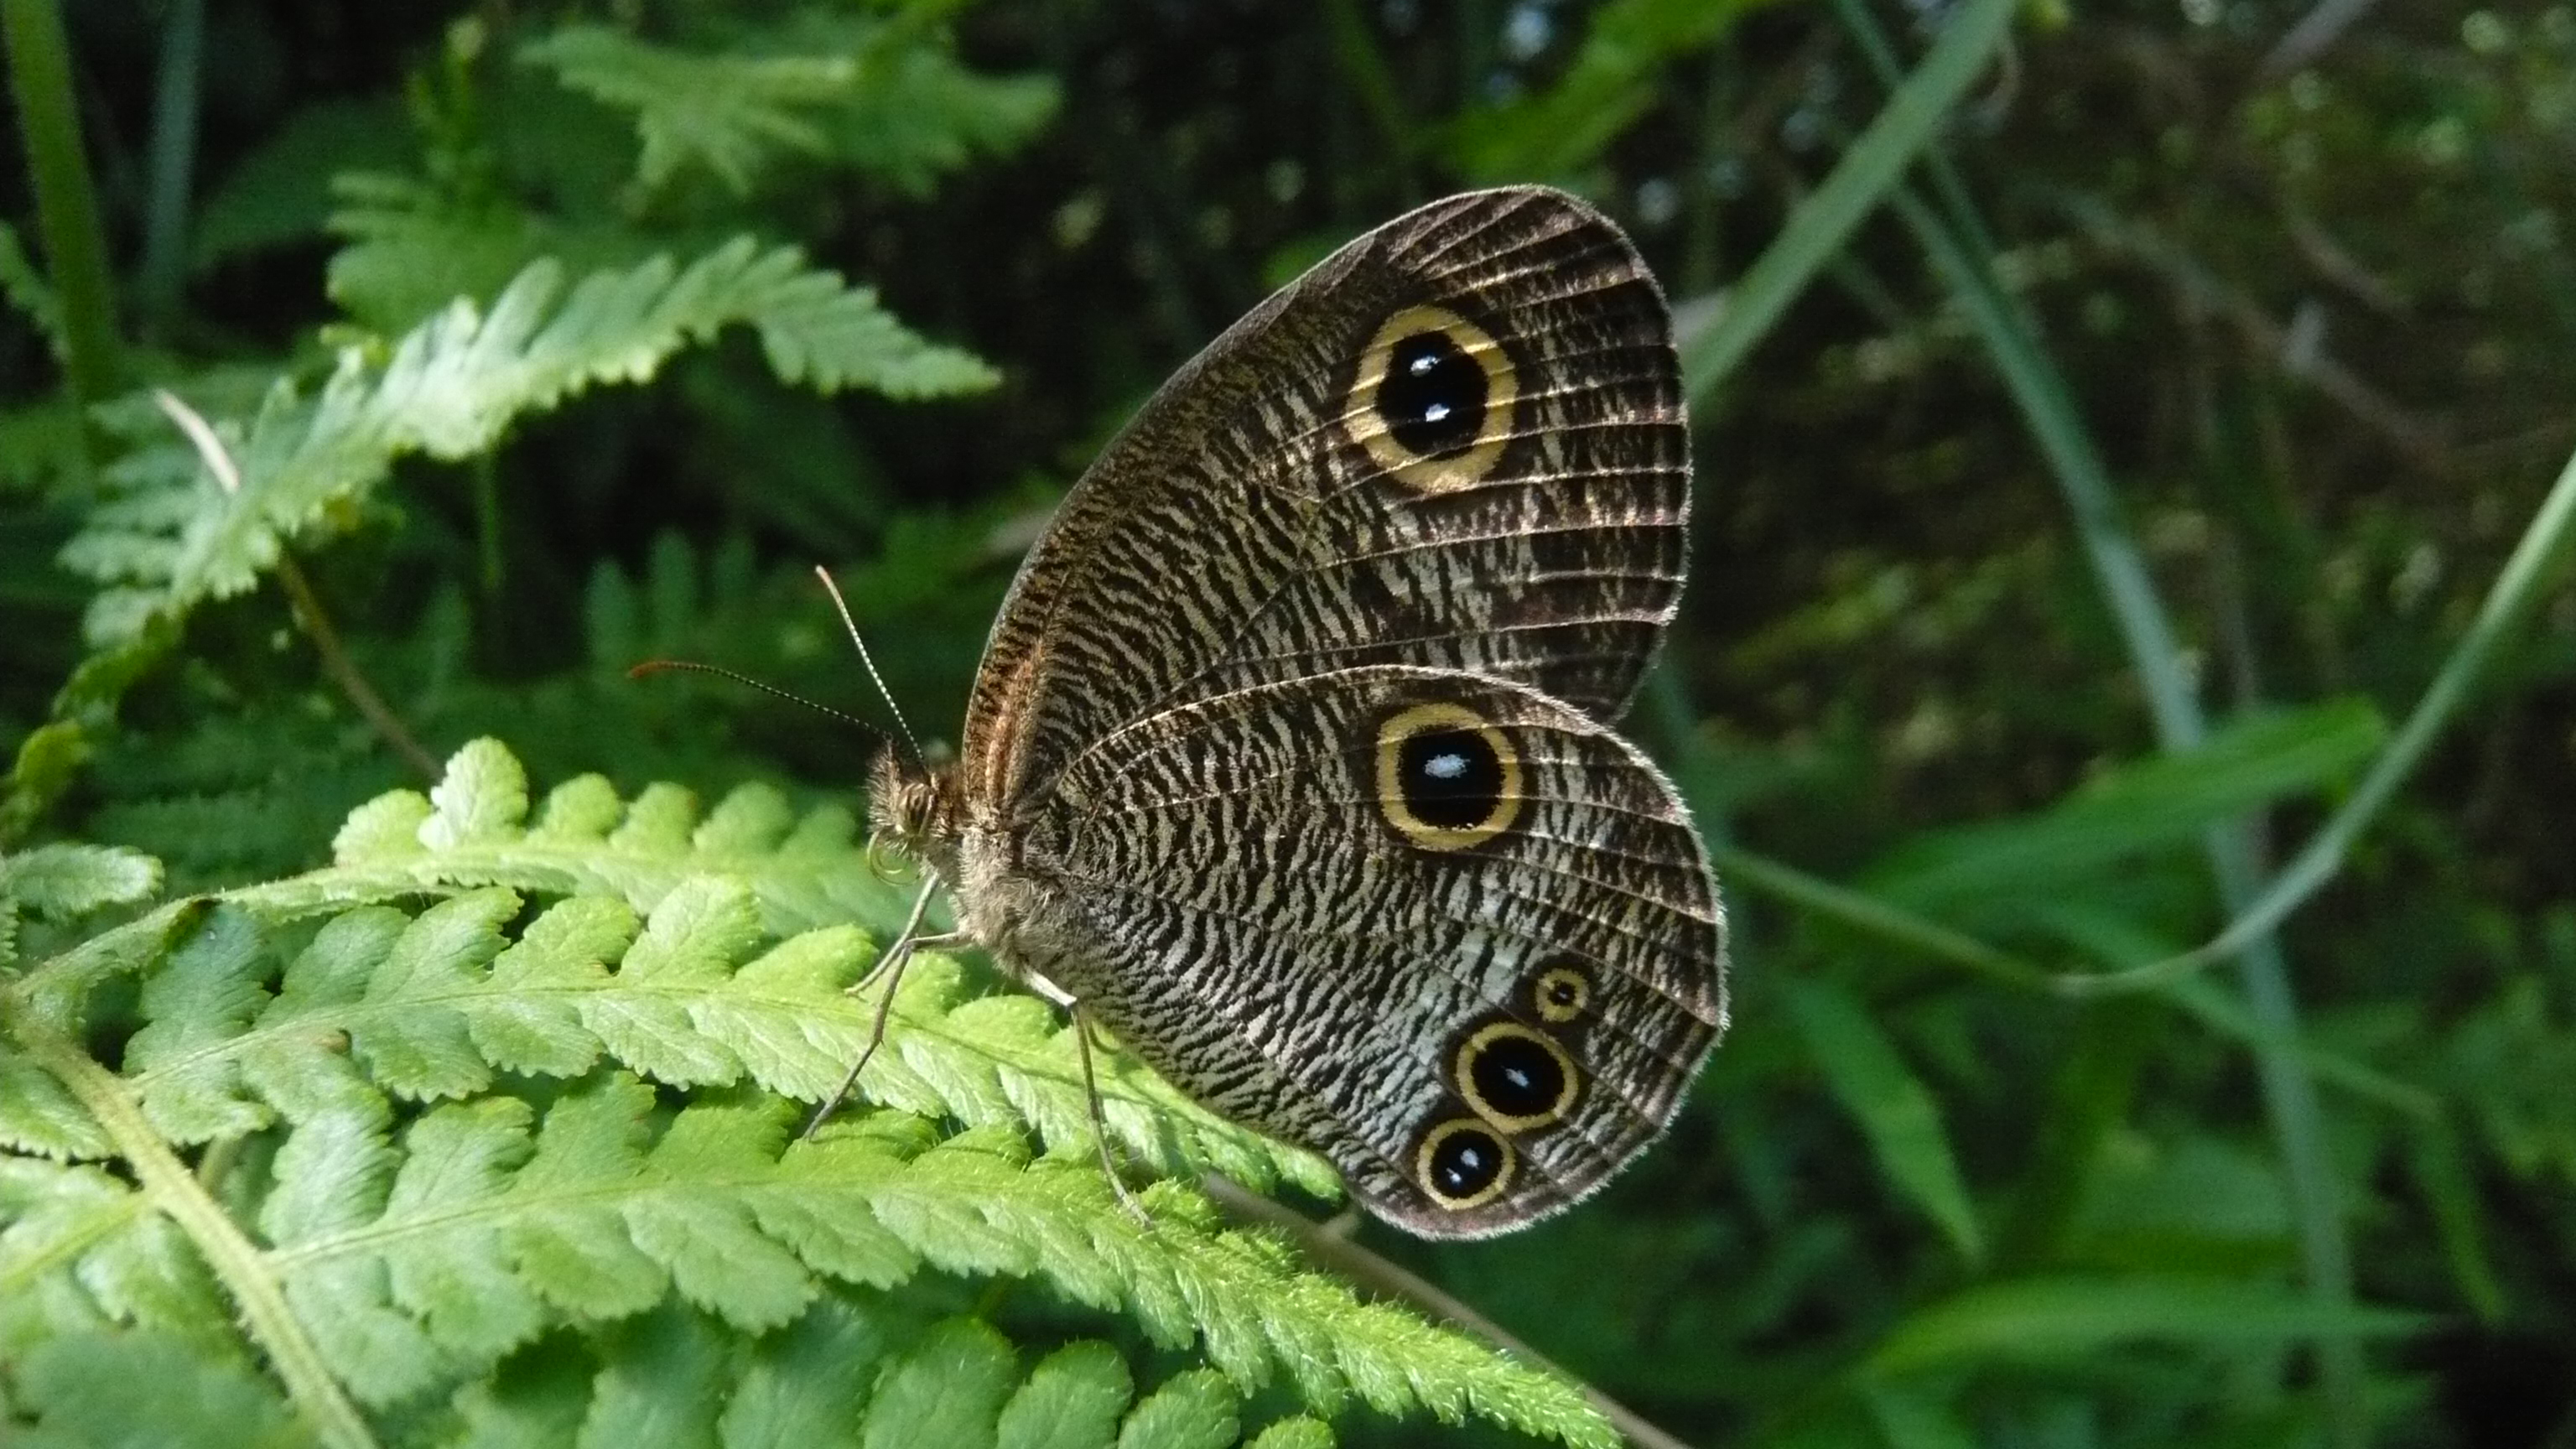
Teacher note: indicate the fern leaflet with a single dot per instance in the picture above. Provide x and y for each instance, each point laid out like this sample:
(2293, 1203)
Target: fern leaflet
(171, 538)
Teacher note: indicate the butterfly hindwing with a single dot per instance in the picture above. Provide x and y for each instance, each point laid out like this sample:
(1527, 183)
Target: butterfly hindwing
(1403, 916)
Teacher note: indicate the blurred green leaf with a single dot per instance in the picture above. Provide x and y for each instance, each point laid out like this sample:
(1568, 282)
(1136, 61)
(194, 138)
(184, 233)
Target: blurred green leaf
(1894, 1109)
(2043, 1320)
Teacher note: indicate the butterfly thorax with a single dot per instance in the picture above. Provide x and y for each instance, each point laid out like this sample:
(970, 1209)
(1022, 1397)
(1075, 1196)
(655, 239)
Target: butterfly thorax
(1005, 902)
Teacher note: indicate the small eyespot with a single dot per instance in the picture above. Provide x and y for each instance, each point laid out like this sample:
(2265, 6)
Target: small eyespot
(1562, 993)
(1434, 400)
(1516, 1078)
(1446, 778)
(1462, 1164)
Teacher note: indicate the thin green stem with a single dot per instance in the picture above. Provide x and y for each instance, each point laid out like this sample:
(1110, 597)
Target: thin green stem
(2517, 587)
(1954, 238)
(174, 158)
(2289, 1092)
(1816, 231)
(40, 72)
(1363, 65)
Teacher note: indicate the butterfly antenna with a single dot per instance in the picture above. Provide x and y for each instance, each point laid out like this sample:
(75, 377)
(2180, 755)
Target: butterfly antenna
(656, 666)
(850, 626)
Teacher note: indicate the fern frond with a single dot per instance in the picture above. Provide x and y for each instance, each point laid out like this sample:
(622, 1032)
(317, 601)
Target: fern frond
(886, 97)
(726, 113)
(851, 1372)
(441, 1141)
(490, 1220)
(408, 248)
(28, 291)
(170, 538)
(64, 881)
(82, 1250)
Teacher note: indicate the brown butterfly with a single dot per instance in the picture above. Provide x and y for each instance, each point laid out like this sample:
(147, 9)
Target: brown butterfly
(1292, 761)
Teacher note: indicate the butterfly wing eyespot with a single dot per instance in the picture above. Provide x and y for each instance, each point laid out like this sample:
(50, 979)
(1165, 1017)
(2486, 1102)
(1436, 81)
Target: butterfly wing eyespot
(1447, 779)
(1434, 401)
(1464, 1164)
(1561, 993)
(1515, 1078)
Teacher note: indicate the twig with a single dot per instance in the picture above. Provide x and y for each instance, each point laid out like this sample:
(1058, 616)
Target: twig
(306, 604)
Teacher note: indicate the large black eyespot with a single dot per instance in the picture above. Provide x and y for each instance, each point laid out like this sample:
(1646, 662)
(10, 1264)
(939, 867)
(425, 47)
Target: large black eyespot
(1516, 1078)
(1462, 1164)
(1433, 398)
(1446, 777)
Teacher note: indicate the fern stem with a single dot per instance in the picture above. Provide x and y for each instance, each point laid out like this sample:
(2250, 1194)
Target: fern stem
(40, 72)
(236, 1261)
(344, 670)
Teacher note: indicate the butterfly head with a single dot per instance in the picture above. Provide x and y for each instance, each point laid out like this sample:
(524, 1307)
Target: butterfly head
(911, 807)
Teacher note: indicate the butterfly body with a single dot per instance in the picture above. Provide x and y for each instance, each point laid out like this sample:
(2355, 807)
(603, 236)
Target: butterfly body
(1291, 756)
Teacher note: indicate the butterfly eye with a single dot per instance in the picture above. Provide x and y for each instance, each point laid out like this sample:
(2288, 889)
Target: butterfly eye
(1434, 399)
(1446, 777)
(1462, 1164)
(1516, 1078)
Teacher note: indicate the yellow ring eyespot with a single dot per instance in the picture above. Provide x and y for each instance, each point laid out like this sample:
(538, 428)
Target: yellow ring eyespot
(1516, 1078)
(1463, 1164)
(1435, 399)
(1561, 994)
(1447, 779)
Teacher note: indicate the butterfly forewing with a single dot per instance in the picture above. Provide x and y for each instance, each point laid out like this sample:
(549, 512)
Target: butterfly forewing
(1261, 519)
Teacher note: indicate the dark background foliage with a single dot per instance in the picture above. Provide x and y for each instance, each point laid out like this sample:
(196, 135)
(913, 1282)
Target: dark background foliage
(2304, 284)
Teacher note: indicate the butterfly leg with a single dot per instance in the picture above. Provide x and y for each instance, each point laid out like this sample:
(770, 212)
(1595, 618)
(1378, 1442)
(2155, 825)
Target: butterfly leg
(891, 967)
(1082, 1027)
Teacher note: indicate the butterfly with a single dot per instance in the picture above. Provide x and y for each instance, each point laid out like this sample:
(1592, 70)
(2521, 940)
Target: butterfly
(1293, 761)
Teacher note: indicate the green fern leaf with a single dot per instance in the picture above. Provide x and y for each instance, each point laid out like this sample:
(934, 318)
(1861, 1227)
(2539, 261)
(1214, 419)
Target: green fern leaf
(473, 830)
(1297, 1433)
(169, 539)
(1071, 1400)
(71, 879)
(780, 1020)
(886, 97)
(164, 1394)
(28, 291)
(408, 248)
(449, 1177)
(723, 112)
(949, 1388)
(809, 1385)
(664, 1382)
(40, 1118)
(1196, 1410)
(81, 1250)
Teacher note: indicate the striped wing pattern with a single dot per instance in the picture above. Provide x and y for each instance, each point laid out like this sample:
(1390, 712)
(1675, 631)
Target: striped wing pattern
(1446, 470)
